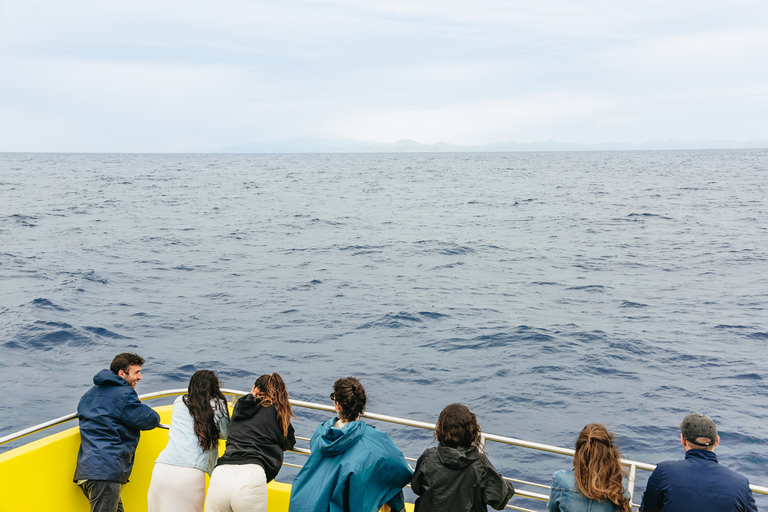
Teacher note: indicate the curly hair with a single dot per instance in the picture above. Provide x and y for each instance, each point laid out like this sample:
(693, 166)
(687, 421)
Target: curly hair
(351, 397)
(272, 391)
(457, 427)
(597, 467)
(204, 391)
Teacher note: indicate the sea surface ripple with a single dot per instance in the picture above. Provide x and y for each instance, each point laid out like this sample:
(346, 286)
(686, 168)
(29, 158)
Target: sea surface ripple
(544, 290)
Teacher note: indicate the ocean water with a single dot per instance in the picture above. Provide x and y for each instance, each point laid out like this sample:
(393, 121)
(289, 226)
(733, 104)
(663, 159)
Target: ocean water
(543, 290)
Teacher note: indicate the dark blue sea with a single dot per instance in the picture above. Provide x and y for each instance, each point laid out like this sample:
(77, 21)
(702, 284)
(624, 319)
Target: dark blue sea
(543, 290)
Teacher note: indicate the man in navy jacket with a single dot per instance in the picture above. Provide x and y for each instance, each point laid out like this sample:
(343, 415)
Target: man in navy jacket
(698, 482)
(111, 418)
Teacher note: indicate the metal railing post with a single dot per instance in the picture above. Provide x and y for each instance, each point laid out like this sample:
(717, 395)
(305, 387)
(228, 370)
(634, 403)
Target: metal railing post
(631, 482)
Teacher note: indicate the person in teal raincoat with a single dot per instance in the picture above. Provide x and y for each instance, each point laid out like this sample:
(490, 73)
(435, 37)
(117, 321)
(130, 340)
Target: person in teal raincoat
(353, 467)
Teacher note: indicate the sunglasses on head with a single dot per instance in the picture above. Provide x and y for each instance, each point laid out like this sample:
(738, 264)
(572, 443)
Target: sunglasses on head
(333, 396)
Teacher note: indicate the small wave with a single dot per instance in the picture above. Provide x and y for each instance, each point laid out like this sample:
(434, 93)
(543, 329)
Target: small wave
(630, 304)
(105, 333)
(46, 304)
(447, 266)
(611, 372)
(23, 220)
(186, 268)
(631, 215)
(524, 336)
(93, 277)
(743, 376)
(49, 335)
(306, 286)
(724, 326)
(393, 321)
(454, 250)
(588, 288)
(362, 249)
(758, 335)
(432, 315)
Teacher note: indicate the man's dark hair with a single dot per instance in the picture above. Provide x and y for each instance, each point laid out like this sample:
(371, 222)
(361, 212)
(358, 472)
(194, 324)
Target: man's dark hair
(124, 360)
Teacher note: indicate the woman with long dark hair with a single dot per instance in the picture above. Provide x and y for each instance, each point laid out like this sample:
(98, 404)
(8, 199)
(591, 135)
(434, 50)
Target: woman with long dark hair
(595, 483)
(198, 421)
(455, 475)
(353, 467)
(260, 432)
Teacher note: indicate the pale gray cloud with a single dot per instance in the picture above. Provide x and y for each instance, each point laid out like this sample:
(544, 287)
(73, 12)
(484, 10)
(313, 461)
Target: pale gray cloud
(192, 76)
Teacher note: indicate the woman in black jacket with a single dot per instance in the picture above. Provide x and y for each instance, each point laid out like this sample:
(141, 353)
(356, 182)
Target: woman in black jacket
(259, 433)
(456, 476)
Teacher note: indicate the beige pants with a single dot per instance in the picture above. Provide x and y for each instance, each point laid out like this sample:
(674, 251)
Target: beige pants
(176, 489)
(237, 488)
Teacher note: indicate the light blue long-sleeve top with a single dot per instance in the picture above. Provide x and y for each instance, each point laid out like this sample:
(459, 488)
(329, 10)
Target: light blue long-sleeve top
(183, 448)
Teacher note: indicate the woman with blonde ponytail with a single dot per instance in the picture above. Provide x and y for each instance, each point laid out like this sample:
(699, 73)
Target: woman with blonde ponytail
(259, 433)
(596, 482)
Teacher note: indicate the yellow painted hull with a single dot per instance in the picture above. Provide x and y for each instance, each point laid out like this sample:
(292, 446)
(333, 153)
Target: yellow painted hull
(38, 475)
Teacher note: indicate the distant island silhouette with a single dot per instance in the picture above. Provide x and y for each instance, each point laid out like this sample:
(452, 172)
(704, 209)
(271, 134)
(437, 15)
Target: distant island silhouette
(321, 145)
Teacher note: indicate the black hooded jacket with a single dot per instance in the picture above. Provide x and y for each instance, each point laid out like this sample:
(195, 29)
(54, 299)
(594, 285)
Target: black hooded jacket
(458, 480)
(256, 437)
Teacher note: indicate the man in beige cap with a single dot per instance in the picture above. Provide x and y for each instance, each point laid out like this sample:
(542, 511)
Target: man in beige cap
(698, 482)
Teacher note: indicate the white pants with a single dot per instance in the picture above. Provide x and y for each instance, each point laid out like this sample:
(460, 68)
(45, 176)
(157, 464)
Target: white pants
(237, 488)
(176, 489)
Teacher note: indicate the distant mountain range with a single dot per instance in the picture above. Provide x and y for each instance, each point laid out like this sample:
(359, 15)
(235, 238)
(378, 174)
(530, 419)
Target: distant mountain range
(318, 145)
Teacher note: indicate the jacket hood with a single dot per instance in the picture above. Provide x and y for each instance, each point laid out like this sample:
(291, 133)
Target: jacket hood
(246, 407)
(457, 458)
(334, 441)
(108, 378)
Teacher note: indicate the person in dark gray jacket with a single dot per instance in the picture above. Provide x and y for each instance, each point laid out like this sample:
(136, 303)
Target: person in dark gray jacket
(111, 418)
(456, 475)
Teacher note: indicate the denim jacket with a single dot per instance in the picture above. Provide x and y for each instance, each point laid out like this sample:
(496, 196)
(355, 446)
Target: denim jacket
(565, 496)
(183, 448)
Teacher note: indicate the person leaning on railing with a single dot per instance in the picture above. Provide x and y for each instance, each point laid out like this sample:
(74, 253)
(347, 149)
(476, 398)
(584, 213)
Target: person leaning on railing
(353, 467)
(259, 434)
(595, 484)
(456, 475)
(111, 418)
(698, 482)
(199, 419)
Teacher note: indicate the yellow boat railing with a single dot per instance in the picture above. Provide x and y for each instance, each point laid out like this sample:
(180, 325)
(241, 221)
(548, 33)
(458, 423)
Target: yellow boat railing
(281, 491)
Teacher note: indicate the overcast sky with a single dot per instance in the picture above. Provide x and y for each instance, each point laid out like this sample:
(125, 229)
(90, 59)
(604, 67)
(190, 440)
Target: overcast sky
(166, 75)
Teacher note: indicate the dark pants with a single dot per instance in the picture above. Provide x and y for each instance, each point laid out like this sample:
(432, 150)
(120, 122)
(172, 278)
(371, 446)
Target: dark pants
(103, 496)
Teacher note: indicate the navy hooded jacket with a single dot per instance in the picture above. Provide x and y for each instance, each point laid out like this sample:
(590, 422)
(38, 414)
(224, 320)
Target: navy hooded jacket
(695, 484)
(111, 418)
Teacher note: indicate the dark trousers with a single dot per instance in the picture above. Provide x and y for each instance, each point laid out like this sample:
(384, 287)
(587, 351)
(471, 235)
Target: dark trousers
(103, 496)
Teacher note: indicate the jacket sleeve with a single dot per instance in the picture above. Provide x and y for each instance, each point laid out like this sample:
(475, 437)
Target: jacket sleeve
(138, 415)
(653, 498)
(290, 440)
(397, 502)
(223, 422)
(749, 500)
(496, 490)
(417, 480)
(552, 505)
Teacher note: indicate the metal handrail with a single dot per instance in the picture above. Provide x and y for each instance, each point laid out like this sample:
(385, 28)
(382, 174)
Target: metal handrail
(632, 465)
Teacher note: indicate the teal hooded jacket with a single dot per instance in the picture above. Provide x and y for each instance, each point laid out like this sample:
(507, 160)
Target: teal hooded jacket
(352, 469)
